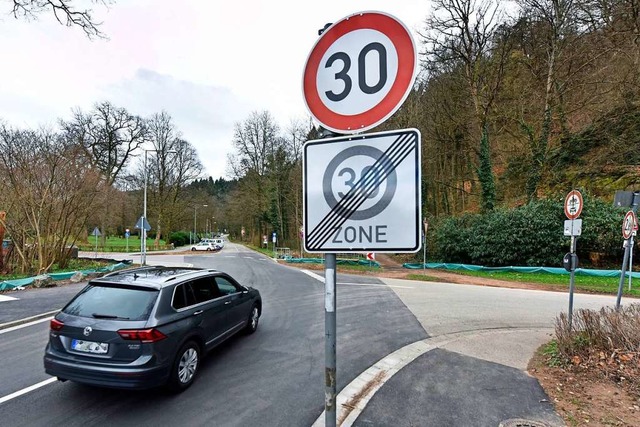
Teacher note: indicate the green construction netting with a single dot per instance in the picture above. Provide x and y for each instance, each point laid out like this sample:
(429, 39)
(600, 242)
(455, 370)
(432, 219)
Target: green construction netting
(12, 284)
(339, 261)
(552, 270)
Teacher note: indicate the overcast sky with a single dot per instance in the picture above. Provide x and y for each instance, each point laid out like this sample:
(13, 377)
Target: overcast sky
(208, 63)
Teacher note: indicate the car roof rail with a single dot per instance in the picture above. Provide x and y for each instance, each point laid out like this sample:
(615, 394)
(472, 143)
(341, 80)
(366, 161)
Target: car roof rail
(132, 270)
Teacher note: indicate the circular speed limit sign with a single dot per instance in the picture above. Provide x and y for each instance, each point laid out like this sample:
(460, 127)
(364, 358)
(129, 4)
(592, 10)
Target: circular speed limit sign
(359, 72)
(629, 225)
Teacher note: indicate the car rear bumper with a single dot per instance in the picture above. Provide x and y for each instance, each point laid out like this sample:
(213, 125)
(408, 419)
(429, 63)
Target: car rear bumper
(122, 377)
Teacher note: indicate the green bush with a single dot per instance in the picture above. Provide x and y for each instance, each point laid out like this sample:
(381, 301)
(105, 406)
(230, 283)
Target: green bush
(530, 235)
(179, 238)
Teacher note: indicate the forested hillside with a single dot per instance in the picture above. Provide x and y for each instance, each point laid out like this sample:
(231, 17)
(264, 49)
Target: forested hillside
(516, 101)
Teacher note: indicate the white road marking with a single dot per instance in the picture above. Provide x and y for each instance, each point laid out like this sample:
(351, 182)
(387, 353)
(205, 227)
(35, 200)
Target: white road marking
(321, 279)
(24, 325)
(375, 284)
(27, 390)
(314, 275)
(4, 298)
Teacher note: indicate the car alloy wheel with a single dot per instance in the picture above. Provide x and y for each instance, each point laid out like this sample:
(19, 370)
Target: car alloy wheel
(188, 365)
(185, 367)
(254, 318)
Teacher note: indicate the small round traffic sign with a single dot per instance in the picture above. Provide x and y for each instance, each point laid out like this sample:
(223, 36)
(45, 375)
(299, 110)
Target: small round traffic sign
(573, 204)
(629, 224)
(359, 72)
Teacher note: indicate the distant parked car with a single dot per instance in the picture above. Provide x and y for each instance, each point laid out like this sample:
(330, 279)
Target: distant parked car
(148, 327)
(205, 246)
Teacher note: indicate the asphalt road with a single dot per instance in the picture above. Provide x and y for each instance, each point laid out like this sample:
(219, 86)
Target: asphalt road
(409, 354)
(271, 378)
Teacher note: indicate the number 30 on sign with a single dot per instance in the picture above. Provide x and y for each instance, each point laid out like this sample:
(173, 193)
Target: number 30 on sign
(359, 72)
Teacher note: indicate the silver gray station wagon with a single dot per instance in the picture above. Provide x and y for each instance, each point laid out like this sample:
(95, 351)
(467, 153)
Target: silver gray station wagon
(148, 327)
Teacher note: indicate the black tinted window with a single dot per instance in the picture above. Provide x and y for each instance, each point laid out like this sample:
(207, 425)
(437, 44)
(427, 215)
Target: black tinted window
(202, 290)
(113, 302)
(179, 300)
(226, 287)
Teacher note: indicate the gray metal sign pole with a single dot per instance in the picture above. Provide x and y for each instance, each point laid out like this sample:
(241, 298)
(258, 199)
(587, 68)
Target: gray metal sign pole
(330, 339)
(424, 252)
(627, 251)
(330, 330)
(572, 278)
(631, 242)
(625, 260)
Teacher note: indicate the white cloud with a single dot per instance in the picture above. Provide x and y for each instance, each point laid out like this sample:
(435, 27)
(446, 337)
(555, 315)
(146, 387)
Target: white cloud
(207, 63)
(204, 114)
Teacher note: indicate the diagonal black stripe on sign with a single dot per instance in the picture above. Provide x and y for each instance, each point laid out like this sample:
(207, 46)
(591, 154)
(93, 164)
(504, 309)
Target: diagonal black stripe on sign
(363, 188)
(360, 192)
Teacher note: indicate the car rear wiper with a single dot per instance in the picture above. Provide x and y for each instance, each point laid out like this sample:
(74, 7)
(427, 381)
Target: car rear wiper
(108, 316)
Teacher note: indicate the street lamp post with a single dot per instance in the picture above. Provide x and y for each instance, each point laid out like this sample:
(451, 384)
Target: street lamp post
(143, 230)
(195, 221)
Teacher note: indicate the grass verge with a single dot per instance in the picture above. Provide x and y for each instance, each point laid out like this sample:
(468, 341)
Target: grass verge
(605, 285)
(74, 265)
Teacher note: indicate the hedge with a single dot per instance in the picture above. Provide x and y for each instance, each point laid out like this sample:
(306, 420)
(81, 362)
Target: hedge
(530, 235)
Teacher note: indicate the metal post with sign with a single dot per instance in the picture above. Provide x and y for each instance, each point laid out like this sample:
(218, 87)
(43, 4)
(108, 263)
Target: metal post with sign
(631, 243)
(629, 225)
(96, 233)
(573, 204)
(144, 226)
(424, 244)
(357, 75)
(274, 239)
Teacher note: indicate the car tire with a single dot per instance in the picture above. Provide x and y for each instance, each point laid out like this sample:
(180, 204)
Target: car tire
(193, 249)
(254, 319)
(185, 367)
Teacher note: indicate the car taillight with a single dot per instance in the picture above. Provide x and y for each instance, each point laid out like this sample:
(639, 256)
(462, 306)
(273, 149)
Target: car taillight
(56, 325)
(144, 335)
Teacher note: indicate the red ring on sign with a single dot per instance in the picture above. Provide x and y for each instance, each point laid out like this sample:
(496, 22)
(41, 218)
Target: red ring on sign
(631, 218)
(401, 39)
(577, 194)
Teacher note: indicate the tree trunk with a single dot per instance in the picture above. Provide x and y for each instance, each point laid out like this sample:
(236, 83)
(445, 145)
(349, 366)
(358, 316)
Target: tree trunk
(3, 217)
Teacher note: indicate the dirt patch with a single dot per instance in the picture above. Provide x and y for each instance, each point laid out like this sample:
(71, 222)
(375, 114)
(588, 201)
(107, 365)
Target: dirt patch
(584, 395)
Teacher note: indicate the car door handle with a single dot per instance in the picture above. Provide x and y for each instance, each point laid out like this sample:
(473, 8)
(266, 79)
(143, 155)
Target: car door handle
(227, 302)
(198, 312)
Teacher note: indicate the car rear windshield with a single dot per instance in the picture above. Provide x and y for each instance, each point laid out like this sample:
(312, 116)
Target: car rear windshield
(112, 302)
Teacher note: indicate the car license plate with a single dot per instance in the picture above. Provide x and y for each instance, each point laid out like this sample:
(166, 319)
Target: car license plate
(90, 346)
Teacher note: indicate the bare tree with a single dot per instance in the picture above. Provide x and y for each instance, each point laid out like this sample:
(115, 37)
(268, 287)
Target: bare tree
(253, 141)
(558, 19)
(64, 12)
(173, 163)
(49, 194)
(462, 34)
(110, 136)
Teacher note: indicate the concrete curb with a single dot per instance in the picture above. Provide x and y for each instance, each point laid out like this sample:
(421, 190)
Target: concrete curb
(353, 398)
(27, 319)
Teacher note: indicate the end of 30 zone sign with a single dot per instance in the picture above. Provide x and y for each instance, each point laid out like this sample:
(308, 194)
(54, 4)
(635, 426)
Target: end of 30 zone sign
(362, 193)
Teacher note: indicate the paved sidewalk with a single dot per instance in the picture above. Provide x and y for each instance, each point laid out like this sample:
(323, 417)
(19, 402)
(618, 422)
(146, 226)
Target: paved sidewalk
(472, 369)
